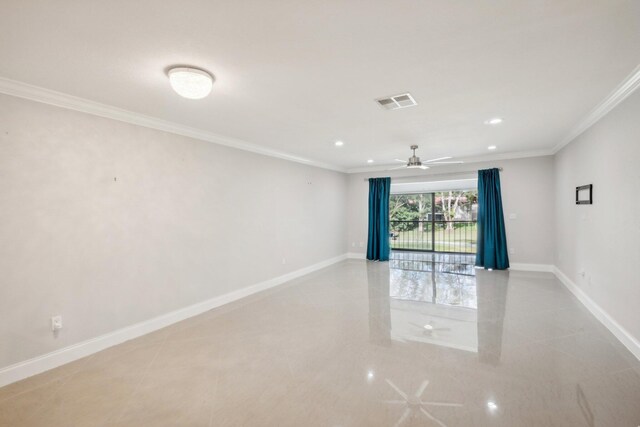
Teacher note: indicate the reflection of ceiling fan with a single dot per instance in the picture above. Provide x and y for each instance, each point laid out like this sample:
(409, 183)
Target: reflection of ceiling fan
(415, 163)
(429, 329)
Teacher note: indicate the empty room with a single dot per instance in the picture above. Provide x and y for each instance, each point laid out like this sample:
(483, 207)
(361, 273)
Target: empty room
(320, 213)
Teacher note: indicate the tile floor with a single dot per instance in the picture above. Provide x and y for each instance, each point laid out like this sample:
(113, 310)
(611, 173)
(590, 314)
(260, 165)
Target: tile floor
(423, 340)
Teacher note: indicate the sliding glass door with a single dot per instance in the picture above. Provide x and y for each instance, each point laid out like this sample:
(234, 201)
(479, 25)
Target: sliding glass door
(442, 221)
(410, 221)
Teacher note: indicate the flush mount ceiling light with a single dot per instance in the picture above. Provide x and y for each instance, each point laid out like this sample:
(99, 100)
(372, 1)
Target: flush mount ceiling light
(494, 121)
(370, 161)
(190, 83)
(491, 147)
(339, 143)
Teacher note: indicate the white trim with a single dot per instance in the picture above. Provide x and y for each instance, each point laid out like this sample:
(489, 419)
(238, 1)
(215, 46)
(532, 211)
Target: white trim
(51, 97)
(59, 99)
(467, 160)
(77, 351)
(620, 93)
(518, 266)
(356, 255)
(599, 313)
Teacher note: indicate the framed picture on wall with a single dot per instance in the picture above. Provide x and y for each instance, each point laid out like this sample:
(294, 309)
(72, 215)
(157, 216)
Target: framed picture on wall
(584, 195)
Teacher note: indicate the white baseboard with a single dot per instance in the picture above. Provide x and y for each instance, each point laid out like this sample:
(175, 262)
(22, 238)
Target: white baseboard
(514, 266)
(518, 266)
(68, 354)
(36, 365)
(599, 313)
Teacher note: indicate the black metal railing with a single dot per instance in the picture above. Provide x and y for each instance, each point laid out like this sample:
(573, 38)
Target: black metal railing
(437, 236)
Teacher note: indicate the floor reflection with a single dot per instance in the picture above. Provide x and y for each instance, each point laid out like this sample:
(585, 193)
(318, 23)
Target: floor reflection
(438, 299)
(414, 406)
(432, 277)
(358, 344)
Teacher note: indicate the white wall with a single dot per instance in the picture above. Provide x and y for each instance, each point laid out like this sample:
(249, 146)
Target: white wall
(109, 224)
(185, 220)
(603, 239)
(527, 190)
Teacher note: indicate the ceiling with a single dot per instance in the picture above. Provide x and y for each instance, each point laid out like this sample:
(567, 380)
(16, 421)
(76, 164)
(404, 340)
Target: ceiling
(295, 76)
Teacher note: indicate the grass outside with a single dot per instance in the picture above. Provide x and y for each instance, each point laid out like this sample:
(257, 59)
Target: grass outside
(461, 239)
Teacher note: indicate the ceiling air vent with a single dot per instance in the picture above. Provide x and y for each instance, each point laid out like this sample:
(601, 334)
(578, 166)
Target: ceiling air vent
(396, 102)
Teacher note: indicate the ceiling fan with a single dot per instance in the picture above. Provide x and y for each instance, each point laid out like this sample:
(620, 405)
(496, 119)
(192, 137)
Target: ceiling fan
(415, 163)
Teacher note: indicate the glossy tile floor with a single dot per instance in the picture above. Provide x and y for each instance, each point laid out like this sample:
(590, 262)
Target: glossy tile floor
(423, 340)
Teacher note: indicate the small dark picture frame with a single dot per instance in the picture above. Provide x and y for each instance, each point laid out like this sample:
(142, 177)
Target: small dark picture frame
(584, 195)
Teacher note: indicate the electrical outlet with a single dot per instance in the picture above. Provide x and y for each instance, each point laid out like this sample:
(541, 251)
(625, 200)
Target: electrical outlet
(361, 244)
(284, 261)
(353, 244)
(513, 216)
(56, 323)
(512, 251)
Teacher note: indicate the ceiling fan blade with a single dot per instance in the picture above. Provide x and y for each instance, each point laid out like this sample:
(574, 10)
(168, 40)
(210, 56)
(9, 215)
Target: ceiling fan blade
(447, 163)
(439, 158)
(398, 160)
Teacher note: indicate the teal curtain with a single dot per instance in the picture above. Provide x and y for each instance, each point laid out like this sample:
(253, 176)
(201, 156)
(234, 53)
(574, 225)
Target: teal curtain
(378, 244)
(491, 251)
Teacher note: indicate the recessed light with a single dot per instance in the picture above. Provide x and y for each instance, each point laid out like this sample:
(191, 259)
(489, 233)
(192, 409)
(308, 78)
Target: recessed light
(370, 161)
(491, 147)
(494, 121)
(190, 83)
(339, 143)
(492, 405)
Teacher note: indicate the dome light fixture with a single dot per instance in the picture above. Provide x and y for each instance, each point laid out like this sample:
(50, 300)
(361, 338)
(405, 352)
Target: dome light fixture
(191, 83)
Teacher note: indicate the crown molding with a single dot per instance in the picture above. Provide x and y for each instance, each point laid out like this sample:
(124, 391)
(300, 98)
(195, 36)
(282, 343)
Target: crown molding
(466, 160)
(59, 99)
(63, 100)
(619, 94)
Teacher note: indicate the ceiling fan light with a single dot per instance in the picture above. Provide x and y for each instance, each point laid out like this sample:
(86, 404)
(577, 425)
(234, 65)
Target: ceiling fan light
(190, 83)
(417, 166)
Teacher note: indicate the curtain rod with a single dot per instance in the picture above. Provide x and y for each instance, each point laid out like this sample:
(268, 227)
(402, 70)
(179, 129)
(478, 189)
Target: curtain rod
(434, 175)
